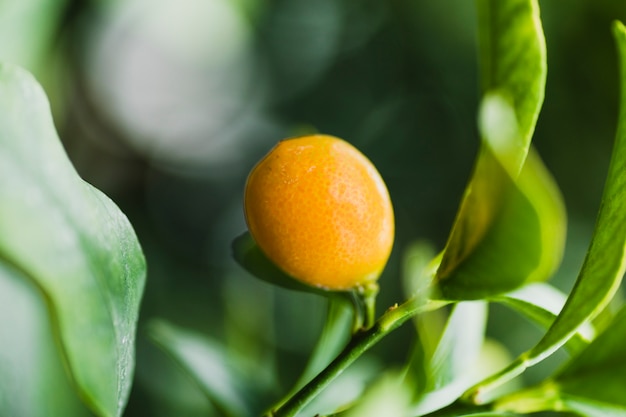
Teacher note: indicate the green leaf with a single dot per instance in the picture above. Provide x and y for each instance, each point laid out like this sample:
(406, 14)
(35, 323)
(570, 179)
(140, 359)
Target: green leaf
(387, 396)
(33, 385)
(26, 30)
(451, 365)
(512, 60)
(511, 223)
(333, 338)
(419, 266)
(589, 408)
(541, 303)
(73, 244)
(207, 364)
(248, 254)
(599, 372)
(507, 232)
(591, 383)
(604, 264)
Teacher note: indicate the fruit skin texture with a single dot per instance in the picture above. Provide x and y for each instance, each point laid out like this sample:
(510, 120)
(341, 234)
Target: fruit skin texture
(319, 209)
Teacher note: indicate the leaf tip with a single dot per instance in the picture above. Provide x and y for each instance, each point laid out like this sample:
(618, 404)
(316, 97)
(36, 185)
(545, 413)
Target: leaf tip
(618, 28)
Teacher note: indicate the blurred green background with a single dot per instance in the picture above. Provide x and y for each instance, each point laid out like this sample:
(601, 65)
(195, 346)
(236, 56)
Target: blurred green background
(165, 105)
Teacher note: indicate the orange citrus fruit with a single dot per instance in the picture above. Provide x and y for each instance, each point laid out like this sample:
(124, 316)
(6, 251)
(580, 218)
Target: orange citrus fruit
(319, 209)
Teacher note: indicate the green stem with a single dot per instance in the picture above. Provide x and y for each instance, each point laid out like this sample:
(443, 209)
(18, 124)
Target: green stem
(368, 294)
(359, 344)
(333, 337)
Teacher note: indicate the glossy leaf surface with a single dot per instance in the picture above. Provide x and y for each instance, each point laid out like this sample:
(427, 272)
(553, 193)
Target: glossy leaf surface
(542, 303)
(507, 233)
(73, 244)
(511, 223)
(597, 375)
(451, 365)
(512, 59)
(604, 265)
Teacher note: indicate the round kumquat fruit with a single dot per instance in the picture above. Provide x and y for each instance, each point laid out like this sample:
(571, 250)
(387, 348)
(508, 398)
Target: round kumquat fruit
(318, 208)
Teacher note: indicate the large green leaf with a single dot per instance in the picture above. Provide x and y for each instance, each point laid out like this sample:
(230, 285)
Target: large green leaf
(511, 223)
(73, 244)
(32, 378)
(521, 236)
(604, 265)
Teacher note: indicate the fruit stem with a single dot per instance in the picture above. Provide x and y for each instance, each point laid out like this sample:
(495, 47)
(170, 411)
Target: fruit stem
(361, 341)
(368, 294)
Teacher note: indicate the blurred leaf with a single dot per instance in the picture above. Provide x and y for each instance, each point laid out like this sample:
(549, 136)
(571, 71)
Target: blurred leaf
(450, 368)
(207, 364)
(334, 336)
(511, 223)
(605, 262)
(589, 408)
(387, 396)
(247, 253)
(26, 30)
(419, 266)
(598, 373)
(591, 383)
(541, 303)
(512, 59)
(350, 387)
(33, 382)
(73, 243)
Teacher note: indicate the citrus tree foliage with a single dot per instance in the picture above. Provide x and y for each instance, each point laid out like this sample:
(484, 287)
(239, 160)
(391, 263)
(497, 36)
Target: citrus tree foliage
(71, 272)
(72, 275)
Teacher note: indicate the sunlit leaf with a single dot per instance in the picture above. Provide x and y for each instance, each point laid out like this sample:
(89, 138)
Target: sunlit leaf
(604, 264)
(590, 408)
(450, 367)
(73, 244)
(388, 396)
(591, 383)
(511, 223)
(598, 373)
(541, 303)
(523, 237)
(419, 267)
(207, 364)
(512, 59)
